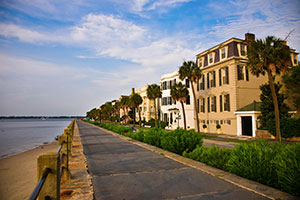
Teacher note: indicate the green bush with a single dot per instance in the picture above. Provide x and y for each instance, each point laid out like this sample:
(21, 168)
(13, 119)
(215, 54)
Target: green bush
(213, 156)
(287, 166)
(181, 140)
(153, 136)
(289, 127)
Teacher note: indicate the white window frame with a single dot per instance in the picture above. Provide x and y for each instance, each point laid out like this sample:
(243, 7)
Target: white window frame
(226, 50)
(213, 58)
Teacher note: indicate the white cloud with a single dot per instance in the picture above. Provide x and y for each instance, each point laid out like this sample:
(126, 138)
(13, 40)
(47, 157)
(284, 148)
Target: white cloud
(262, 18)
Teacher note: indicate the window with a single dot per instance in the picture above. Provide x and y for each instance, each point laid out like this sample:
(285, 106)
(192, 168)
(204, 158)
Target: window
(243, 50)
(200, 62)
(213, 80)
(220, 77)
(164, 87)
(188, 101)
(187, 83)
(213, 104)
(170, 85)
(208, 104)
(221, 104)
(210, 58)
(223, 53)
(240, 72)
(203, 105)
(165, 101)
(226, 77)
(202, 83)
(226, 102)
(169, 101)
(171, 118)
(207, 80)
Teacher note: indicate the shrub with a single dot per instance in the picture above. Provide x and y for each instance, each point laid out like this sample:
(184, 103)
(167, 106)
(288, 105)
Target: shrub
(254, 161)
(289, 127)
(287, 165)
(180, 140)
(153, 136)
(213, 156)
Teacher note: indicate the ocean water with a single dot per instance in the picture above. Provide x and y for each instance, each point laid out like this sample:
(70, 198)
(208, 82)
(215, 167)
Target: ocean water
(18, 135)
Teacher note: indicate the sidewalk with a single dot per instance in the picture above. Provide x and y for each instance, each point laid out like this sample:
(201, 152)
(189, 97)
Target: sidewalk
(125, 169)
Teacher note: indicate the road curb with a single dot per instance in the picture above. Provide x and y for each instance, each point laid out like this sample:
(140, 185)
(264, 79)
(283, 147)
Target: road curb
(244, 183)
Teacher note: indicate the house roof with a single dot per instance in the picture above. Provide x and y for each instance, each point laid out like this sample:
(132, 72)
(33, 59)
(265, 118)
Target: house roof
(255, 106)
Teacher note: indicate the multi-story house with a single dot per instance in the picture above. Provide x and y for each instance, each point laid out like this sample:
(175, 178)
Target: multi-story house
(147, 107)
(171, 111)
(227, 88)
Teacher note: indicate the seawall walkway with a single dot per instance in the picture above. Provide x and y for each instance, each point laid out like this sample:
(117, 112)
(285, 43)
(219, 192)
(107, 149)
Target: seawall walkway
(122, 170)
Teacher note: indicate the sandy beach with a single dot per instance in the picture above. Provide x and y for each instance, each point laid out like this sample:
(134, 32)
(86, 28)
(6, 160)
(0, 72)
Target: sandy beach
(18, 172)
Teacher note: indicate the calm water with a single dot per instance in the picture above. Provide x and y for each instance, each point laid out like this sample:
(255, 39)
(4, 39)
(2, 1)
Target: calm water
(18, 135)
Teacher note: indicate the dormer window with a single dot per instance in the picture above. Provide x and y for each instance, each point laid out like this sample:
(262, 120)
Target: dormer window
(200, 62)
(295, 59)
(243, 49)
(223, 53)
(210, 58)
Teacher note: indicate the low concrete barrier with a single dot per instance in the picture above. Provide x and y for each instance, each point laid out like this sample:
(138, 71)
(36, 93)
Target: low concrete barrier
(52, 167)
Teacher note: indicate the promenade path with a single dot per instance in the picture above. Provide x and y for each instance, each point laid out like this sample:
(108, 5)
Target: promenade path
(122, 170)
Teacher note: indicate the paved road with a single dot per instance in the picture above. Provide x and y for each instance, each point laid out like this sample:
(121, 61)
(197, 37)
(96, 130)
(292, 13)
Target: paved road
(122, 170)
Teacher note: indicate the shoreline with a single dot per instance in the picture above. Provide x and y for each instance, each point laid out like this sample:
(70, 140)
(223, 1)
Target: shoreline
(18, 172)
(25, 150)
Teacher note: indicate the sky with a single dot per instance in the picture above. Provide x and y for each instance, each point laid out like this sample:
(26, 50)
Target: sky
(65, 57)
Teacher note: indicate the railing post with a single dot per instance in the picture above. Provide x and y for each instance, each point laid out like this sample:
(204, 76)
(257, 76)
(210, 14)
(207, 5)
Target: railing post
(63, 139)
(51, 188)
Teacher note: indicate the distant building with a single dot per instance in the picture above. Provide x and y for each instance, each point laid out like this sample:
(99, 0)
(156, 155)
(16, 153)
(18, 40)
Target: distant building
(227, 86)
(147, 107)
(171, 111)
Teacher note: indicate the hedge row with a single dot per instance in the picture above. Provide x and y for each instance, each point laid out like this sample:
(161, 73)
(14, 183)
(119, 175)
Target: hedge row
(273, 164)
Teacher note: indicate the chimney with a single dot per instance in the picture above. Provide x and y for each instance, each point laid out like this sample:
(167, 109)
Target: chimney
(284, 42)
(132, 91)
(249, 37)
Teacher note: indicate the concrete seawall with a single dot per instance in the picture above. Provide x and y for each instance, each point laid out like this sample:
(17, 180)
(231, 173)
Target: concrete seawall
(80, 184)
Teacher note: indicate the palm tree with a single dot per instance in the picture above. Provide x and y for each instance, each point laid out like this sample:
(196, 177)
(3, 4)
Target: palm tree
(154, 92)
(125, 106)
(179, 92)
(135, 101)
(190, 71)
(270, 56)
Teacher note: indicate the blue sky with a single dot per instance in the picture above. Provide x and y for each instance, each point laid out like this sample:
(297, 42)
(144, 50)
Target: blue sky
(63, 57)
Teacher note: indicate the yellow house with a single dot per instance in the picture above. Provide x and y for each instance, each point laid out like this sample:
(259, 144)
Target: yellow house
(147, 107)
(227, 86)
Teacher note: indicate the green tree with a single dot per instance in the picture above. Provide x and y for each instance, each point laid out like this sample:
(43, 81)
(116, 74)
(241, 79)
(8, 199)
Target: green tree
(154, 92)
(190, 71)
(179, 92)
(270, 56)
(267, 107)
(291, 81)
(125, 105)
(135, 102)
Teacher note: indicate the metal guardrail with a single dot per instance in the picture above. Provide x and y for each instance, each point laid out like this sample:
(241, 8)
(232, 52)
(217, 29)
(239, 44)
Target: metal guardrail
(62, 159)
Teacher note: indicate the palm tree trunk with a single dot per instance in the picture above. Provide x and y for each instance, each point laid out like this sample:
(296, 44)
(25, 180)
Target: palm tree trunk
(155, 115)
(276, 108)
(183, 112)
(133, 116)
(139, 116)
(195, 109)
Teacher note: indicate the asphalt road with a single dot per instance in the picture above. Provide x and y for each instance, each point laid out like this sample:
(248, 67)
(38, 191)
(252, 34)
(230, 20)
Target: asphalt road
(122, 170)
